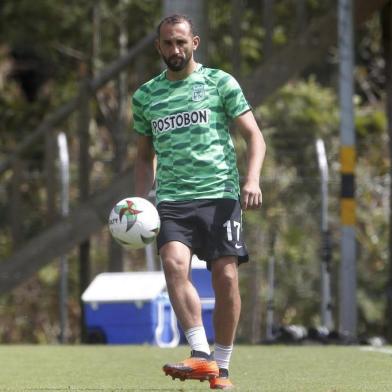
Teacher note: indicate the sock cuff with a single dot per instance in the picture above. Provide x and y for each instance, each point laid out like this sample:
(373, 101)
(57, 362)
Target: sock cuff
(194, 329)
(197, 339)
(223, 348)
(222, 355)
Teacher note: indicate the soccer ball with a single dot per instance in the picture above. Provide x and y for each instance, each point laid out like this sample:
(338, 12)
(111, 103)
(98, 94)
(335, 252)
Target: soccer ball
(134, 222)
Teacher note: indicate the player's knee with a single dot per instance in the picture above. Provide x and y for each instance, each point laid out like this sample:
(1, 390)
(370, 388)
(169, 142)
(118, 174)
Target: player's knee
(225, 278)
(175, 269)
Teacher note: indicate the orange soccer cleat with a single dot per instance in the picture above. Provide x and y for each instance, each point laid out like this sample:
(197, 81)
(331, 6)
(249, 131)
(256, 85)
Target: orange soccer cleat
(222, 381)
(198, 367)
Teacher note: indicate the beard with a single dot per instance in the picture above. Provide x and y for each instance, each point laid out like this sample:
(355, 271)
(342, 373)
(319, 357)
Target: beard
(176, 63)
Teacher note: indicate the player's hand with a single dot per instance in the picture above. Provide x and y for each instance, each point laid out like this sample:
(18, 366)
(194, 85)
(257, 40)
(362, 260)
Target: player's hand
(251, 196)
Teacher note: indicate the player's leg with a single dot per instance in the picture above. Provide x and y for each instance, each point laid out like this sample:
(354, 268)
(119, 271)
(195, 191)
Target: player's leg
(175, 241)
(224, 250)
(227, 299)
(226, 315)
(176, 258)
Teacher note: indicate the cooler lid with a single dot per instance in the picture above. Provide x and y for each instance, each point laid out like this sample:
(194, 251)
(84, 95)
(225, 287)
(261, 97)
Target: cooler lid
(125, 286)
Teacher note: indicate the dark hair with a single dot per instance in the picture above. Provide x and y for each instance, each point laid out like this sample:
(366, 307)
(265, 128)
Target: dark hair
(174, 19)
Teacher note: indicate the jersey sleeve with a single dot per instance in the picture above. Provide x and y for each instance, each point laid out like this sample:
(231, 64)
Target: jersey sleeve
(140, 123)
(234, 100)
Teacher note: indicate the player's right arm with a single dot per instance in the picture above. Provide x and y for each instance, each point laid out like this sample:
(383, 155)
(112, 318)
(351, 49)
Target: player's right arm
(144, 175)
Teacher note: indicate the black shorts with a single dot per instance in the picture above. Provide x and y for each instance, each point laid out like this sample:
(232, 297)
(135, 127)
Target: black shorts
(211, 228)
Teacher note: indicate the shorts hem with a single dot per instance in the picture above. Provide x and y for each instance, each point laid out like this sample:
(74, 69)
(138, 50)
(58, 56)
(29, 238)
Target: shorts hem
(241, 259)
(159, 246)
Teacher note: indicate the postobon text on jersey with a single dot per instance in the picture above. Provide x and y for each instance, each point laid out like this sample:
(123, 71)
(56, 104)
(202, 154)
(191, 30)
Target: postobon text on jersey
(180, 120)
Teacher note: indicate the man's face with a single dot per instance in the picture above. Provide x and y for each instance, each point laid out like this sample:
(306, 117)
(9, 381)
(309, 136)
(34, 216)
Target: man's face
(176, 45)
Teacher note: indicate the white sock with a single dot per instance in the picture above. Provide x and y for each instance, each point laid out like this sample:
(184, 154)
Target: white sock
(222, 355)
(197, 339)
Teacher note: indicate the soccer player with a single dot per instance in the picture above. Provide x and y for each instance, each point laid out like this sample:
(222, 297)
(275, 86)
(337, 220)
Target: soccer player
(182, 117)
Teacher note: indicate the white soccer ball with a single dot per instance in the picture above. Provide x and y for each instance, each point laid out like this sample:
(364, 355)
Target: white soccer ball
(134, 222)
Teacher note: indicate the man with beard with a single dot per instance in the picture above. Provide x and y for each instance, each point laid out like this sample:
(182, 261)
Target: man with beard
(182, 117)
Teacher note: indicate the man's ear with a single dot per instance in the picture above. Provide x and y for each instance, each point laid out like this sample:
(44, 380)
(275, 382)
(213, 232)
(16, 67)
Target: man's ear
(195, 42)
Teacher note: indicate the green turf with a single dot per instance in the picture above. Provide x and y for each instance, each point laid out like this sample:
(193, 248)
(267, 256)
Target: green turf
(138, 368)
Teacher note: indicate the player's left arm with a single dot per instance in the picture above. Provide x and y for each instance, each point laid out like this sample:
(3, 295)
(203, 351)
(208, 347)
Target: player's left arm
(251, 196)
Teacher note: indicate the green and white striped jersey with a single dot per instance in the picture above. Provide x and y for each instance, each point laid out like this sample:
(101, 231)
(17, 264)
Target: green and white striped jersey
(188, 121)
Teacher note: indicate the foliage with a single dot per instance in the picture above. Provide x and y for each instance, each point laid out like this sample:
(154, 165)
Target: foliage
(295, 118)
(292, 120)
(372, 230)
(253, 34)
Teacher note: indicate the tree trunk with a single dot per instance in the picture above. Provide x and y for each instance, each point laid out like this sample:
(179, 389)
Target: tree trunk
(253, 298)
(50, 176)
(84, 189)
(386, 16)
(255, 304)
(268, 25)
(119, 133)
(236, 17)
(301, 16)
(16, 213)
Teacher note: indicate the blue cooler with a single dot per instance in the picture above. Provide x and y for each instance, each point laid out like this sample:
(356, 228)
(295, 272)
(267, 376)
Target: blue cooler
(129, 308)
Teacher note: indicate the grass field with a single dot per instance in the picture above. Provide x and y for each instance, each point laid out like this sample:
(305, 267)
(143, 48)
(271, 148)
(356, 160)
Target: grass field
(138, 368)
